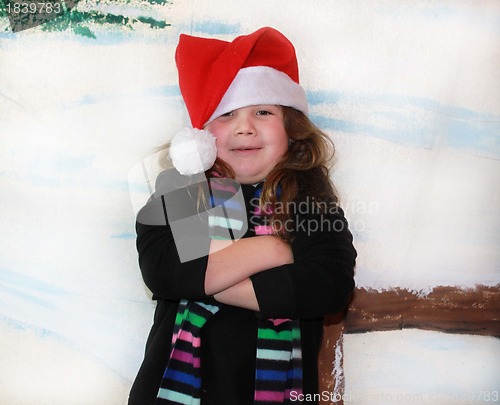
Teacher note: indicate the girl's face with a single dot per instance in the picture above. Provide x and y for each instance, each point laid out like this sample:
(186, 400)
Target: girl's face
(251, 140)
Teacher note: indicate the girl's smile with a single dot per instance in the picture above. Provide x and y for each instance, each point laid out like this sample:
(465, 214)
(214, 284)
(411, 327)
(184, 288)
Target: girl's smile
(251, 140)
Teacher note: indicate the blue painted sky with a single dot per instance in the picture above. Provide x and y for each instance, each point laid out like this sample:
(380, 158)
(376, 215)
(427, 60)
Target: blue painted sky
(461, 128)
(82, 320)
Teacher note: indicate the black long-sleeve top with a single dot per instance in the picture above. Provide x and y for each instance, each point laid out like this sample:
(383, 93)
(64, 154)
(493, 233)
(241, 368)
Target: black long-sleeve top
(319, 282)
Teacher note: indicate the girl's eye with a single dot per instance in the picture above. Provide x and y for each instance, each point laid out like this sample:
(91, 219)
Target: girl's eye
(228, 114)
(264, 112)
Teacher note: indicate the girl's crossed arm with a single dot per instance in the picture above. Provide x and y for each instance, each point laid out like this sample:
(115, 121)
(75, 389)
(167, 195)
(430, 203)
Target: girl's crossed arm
(229, 269)
(318, 282)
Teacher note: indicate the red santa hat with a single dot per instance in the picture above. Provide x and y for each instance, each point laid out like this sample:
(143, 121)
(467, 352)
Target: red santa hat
(216, 77)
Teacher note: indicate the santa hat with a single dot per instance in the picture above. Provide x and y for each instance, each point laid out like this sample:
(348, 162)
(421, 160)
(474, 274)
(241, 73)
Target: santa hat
(216, 77)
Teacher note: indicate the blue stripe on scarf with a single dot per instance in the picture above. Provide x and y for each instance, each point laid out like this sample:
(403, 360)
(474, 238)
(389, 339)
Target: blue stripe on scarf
(228, 203)
(182, 377)
(294, 372)
(271, 375)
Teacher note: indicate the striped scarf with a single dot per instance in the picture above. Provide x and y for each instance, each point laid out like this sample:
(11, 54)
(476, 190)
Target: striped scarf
(278, 368)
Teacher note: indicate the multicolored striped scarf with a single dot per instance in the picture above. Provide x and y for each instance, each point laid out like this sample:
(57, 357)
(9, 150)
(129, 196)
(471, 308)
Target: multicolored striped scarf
(278, 367)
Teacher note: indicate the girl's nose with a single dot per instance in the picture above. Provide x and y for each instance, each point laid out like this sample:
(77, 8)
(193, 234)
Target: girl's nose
(244, 125)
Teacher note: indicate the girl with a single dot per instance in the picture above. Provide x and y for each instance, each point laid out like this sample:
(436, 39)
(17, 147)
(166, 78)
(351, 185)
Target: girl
(241, 299)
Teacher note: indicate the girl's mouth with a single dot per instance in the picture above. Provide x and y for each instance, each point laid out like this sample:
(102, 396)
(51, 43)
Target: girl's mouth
(246, 149)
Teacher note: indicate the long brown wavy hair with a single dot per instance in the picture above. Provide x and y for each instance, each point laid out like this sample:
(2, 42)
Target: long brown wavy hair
(302, 173)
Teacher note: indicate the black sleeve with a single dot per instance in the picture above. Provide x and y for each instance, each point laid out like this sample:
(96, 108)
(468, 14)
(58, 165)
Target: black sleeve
(321, 279)
(163, 272)
(166, 272)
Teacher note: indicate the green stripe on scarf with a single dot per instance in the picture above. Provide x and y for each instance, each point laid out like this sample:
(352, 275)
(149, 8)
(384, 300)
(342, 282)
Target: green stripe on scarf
(274, 335)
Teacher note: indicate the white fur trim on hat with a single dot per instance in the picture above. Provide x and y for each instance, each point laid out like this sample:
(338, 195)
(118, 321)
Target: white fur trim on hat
(193, 151)
(261, 85)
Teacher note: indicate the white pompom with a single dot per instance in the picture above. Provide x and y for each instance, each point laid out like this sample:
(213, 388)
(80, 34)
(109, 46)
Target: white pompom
(193, 151)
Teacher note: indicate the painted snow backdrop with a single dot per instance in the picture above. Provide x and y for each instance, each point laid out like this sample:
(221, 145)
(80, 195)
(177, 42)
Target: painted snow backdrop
(408, 90)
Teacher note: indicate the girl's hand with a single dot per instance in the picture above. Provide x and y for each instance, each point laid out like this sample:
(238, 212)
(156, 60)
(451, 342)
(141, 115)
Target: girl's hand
(240, 295)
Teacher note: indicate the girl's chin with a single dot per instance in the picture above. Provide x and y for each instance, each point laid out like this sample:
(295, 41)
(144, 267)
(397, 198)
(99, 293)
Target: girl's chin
(248, 178)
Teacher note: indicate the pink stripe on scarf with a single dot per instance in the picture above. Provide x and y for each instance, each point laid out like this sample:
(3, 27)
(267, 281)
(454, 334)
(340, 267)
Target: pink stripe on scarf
(266, 210)
(263, 230)
(186, 358)
(188, 337)
(269, 396)
(278, 321)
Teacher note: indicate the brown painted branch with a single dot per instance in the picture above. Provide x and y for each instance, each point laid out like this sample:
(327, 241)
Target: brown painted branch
(447, 309)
